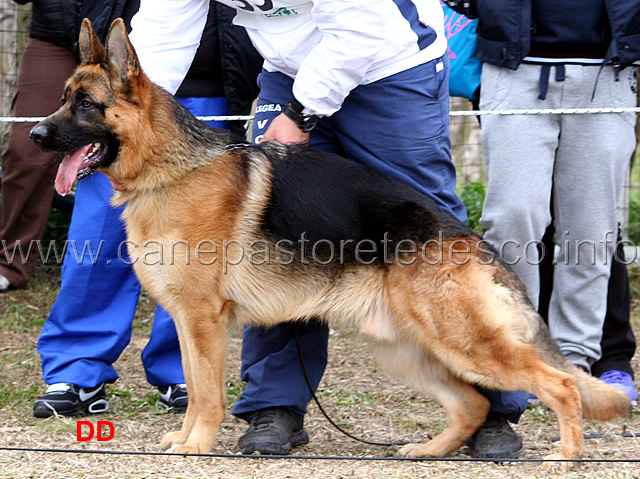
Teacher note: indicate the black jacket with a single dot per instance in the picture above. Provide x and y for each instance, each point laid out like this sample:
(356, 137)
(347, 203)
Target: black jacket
(58, 21)
(240, 64)
(505, 28)
(226, 64)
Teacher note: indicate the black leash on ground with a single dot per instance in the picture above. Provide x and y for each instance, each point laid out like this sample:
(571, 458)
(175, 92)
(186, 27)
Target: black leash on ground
(315, 399)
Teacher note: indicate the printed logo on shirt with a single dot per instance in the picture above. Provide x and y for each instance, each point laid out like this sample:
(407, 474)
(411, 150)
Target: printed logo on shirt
(282, 12)
(269, 107)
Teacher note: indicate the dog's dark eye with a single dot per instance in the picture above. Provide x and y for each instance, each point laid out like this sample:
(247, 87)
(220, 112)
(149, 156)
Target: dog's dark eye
(86, 104)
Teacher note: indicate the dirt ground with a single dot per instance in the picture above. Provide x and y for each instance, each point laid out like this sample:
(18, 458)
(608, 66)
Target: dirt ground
(363, 401)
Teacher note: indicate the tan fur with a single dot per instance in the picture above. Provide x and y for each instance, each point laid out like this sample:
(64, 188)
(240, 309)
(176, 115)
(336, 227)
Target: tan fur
(442, 327)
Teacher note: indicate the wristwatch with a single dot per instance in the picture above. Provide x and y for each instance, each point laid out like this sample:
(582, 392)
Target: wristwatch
(293, 111)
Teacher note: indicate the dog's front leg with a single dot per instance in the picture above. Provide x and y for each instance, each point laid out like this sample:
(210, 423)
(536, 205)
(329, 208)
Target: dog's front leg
(180, 436)
(203, 347)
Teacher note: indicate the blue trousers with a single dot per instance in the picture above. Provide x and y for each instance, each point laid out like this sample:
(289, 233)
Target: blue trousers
(90, 322)
(373, 127)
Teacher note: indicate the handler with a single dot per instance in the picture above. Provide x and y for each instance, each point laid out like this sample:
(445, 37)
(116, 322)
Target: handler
(364, 79)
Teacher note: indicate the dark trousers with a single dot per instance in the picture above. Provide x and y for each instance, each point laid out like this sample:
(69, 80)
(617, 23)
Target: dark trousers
(419, 157)
(618, 342)
(27, 173)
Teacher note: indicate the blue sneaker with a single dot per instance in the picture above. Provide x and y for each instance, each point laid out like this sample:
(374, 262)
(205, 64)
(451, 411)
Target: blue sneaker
(622, 381)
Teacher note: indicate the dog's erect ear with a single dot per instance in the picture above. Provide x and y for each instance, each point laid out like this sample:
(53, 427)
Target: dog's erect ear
(91, 50)
(121, 56)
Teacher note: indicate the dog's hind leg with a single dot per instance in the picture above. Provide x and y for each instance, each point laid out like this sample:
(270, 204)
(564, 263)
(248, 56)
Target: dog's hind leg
(464, 405)
(559, 391)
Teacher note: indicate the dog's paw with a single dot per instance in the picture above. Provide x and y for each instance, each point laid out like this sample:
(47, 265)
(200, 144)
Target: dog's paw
(184, 449)
(562, 465)
(416, 450)
(172, 438)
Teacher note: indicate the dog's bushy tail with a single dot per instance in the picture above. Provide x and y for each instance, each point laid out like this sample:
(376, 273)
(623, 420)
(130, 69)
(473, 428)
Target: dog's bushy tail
(600, 400)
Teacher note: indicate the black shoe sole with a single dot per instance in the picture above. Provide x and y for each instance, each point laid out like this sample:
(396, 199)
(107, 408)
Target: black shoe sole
(276, 449)
(43, 411)
(514, 455)
(171, 409)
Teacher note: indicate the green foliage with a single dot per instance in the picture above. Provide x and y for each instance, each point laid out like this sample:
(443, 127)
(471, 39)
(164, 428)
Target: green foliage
(634, 221)
(537, 412)
(21, 317)
(472, 195)
(57, 225)
(234, 389)
(343, 397)
(131, 404)
(12, 396)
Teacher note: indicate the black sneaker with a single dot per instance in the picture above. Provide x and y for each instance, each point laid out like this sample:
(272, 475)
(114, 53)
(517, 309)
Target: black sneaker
(496, 439)
(174, 398)
(273, 431)
(65, 399)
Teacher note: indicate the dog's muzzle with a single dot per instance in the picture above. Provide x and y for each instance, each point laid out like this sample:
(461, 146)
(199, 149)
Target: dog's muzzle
(40, 134)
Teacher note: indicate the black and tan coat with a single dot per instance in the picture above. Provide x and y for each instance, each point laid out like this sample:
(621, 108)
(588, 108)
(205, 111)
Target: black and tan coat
(223, 232)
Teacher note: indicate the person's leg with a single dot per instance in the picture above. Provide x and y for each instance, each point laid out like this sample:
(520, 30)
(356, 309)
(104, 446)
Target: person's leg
(419, 156)
(618, 341)
(586, 224)
(276, 395)
(546, 272)
(519, 159)
(162, 363)
(27, 172)
(90, 322)
(418, 149)
(266, 353)
(161, 356)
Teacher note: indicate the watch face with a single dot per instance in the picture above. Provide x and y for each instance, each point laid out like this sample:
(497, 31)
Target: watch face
(309, 123)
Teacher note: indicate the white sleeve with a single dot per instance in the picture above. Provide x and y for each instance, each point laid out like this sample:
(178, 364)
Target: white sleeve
(166, 35)
(354, 31)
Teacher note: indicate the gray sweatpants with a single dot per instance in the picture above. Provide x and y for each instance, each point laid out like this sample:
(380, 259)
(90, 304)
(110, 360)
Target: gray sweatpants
(583, 158)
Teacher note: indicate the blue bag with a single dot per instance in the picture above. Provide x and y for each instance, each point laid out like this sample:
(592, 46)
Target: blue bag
(464, 77)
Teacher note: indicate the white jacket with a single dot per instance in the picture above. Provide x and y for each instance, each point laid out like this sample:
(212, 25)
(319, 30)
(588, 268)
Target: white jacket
(328, 46)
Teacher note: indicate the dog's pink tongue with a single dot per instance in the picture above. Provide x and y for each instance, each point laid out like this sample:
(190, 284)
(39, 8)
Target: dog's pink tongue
(68, 170)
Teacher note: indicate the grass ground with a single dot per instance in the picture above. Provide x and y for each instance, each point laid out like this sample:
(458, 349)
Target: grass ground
(363, 401)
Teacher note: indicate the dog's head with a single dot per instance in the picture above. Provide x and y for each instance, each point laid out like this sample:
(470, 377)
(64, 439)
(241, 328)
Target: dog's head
(98, 111)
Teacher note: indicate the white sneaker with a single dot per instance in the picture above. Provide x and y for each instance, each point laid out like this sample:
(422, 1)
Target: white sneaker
(4, 284)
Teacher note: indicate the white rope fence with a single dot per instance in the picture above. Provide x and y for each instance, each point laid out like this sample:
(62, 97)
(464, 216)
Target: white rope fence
(545, 111)
(532, 111)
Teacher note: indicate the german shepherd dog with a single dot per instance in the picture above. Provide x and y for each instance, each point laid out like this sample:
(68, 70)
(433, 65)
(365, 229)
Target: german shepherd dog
(231, 223)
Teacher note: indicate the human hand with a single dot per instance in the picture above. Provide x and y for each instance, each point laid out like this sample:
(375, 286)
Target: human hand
(285, 130)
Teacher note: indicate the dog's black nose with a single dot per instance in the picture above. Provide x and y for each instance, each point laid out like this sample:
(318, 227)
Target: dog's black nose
(39, 133)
